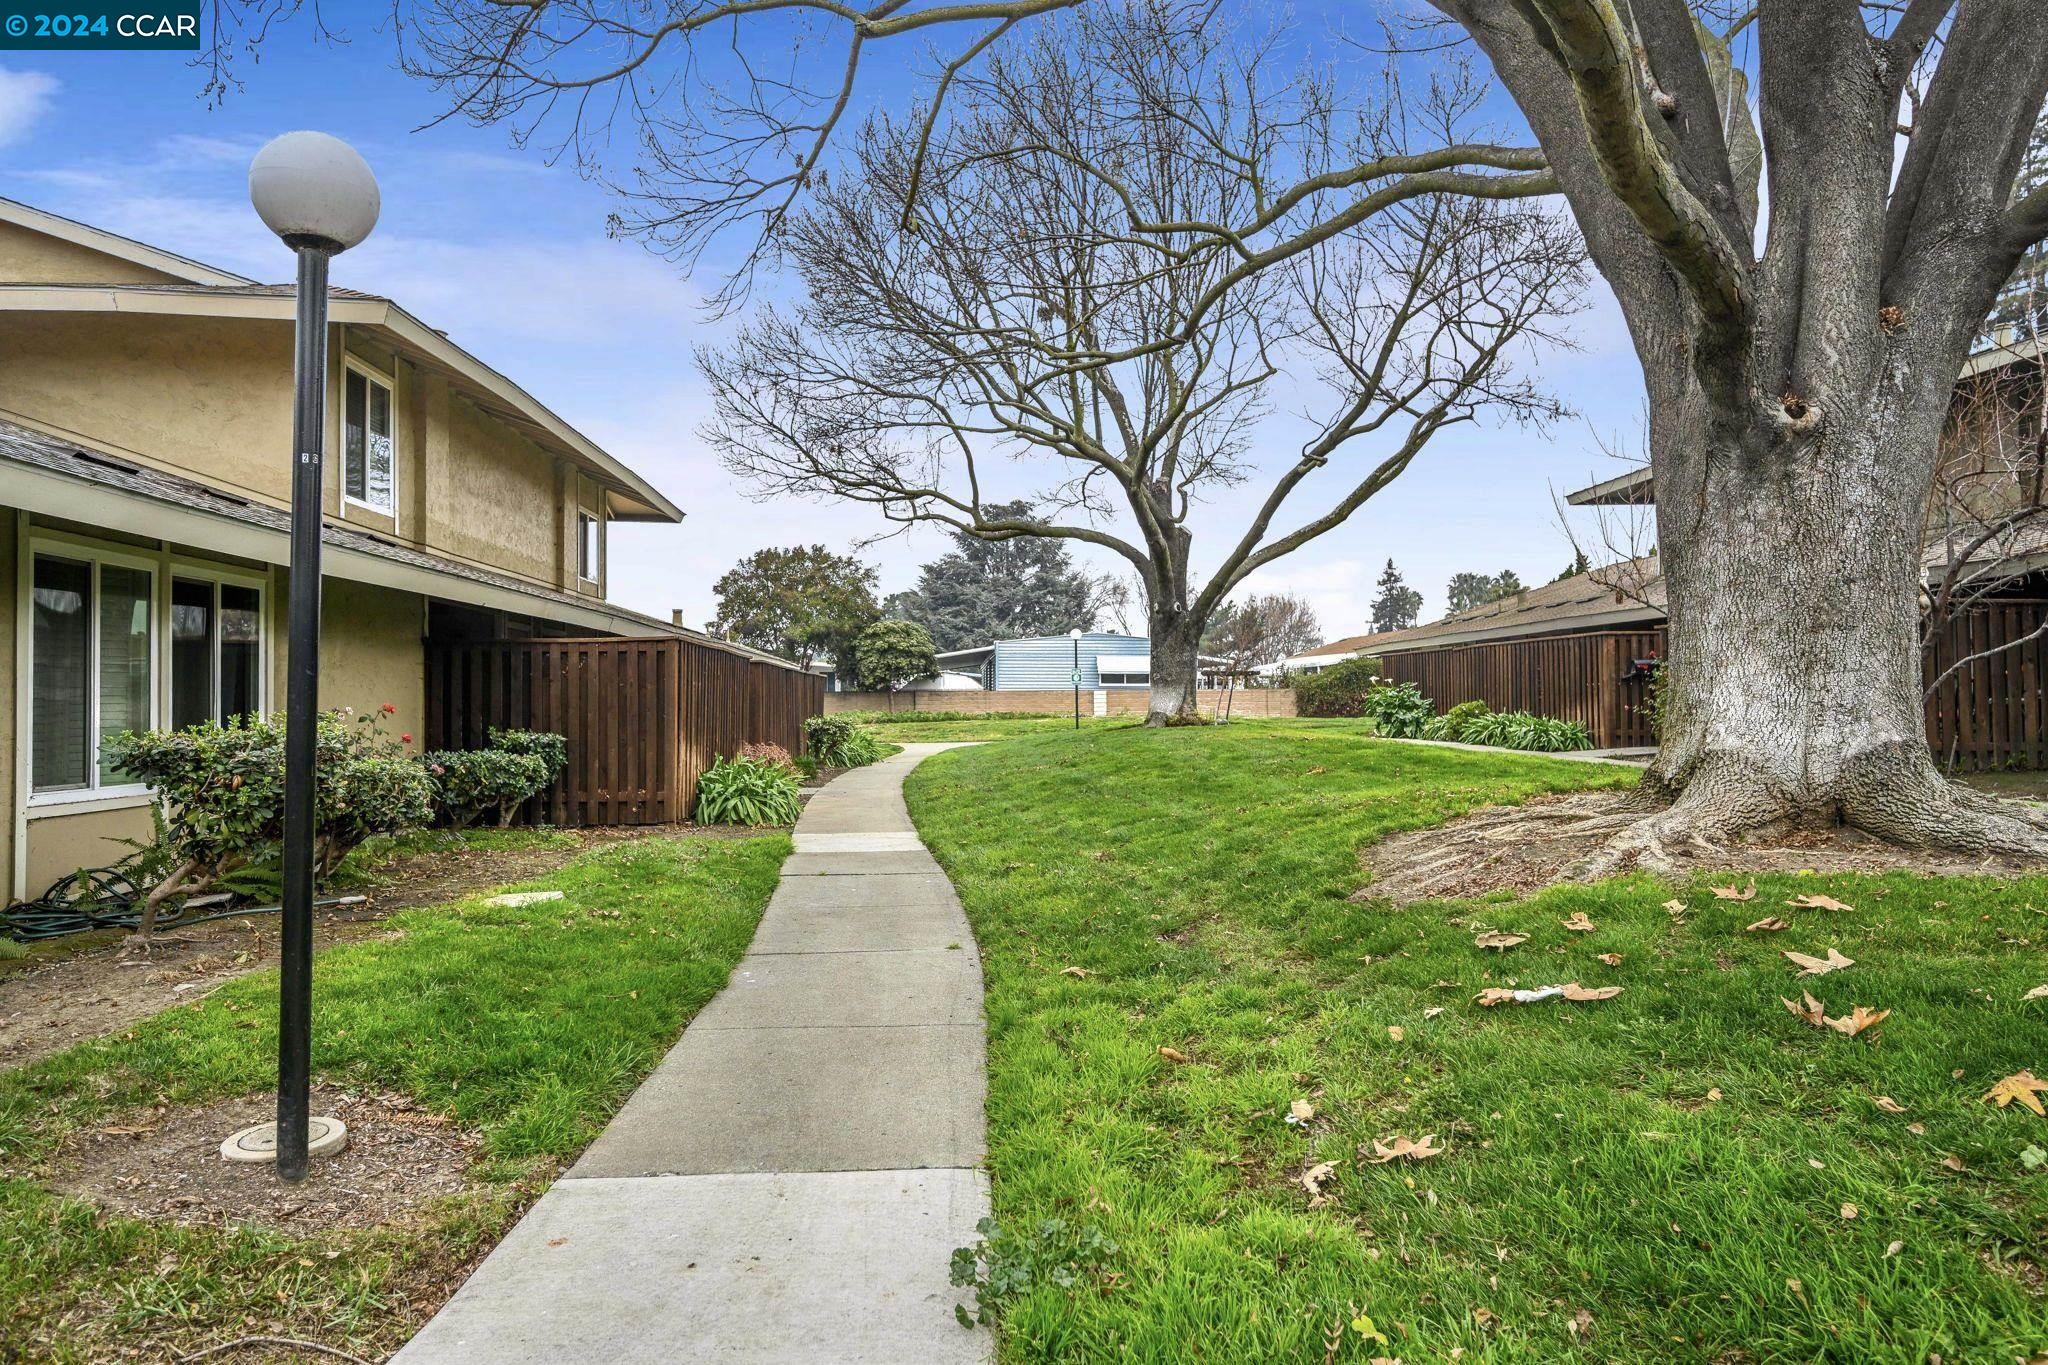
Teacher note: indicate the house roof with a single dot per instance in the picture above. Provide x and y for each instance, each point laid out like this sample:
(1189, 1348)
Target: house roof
(1625, 594)
(41, 470)
(203, 291)
(115, 245)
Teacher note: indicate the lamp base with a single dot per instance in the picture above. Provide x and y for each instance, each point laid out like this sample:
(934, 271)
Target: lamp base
(258, 1145)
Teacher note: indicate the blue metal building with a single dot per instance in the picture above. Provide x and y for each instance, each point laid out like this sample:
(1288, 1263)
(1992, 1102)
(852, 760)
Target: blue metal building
(1108, 660)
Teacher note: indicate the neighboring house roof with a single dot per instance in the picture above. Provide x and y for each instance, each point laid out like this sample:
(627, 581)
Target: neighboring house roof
(115, 245)
(1625, 594)
(62, 479)
(633, 498)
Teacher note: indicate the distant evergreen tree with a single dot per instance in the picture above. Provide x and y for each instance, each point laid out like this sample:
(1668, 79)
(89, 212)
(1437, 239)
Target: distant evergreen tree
(1398, 605)
(987, 590)
(1580, 564)
(1469, 590)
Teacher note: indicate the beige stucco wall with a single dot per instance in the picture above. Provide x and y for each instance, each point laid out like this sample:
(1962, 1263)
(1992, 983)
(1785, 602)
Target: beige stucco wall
(8, 699)
(28, 257)
(210, 398)
(62, 844)
(370, 651)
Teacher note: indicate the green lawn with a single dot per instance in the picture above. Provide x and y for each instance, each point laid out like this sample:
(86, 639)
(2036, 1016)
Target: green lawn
(934, 727)
(529, 1025)
(1666, 1175)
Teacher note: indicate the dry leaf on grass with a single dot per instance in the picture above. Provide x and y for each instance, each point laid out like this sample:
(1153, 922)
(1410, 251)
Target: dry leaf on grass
(1314, 1178)
(1954, 1162)
(2023, 1086)
(1714, 1095)
(1729, 893)
(1859, 1018)
(1580, 924)
(2039, 992)
(1889, 1105)
(1675, 908)
(1611, 959)
(1574, 991)
(1817, 903)
(1848, 1211)
(1499, 940)
(1571, 990)
(1078, 973)
(1433, 1011)
(1396, 1032)
(1809, 1009)
(1820, 966)
(1770, 925)
(1894, 1249)
(1300, 1111)
(1174, 1054)
(1402, 1149)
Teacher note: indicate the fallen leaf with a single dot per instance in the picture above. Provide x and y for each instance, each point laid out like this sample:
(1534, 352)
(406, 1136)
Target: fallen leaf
(1433, 1011)
(2039, 992)
(2023, 1086)
(1495, 995)
(1300, 1111)
(1714, 1095)
(1581, 1324)
(1858, 1019)
(1314, 1178)
(1848, 1211)
(1078, 973)
(1954, 1162)
(1499, 940)
(1579, 924)
(1174, 1054)
(1810, 1009)
(1485, 1317)
(1729, 893)
(1396, 1032)
(1401, 1148)
(1820, 966)
(1574, 991)
(1611, 959)
(1889, 1105)
(1894, 1249)
(1917, 1129)
(1817, 903)
(1675, 907)
(1770, 925)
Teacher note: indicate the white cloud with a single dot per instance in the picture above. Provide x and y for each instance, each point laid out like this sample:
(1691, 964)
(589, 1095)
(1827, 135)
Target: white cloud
(25, 96)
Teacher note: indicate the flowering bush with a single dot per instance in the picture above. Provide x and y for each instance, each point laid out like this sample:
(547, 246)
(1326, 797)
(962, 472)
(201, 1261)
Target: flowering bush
(519, 765)
(221, 789)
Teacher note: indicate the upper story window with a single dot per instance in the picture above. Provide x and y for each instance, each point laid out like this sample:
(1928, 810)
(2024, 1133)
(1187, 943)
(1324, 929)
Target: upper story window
(588, 548)
(369, 460)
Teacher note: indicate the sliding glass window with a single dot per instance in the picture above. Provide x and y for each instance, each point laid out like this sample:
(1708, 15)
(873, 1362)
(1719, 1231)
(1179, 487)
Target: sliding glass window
(91, 674)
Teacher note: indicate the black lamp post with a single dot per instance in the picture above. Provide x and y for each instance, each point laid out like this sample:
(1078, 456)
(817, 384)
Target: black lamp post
(317, 194)
(1075, 636)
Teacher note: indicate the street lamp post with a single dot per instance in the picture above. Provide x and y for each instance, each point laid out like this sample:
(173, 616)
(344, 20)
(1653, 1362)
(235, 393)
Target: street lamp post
(1075, 636)
(317, 194)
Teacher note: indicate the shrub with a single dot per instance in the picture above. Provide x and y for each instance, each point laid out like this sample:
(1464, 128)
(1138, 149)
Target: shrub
(892, 653)
(518, 765)
(747, 791)
(774, 755)
(1339, 690)
(1453, 723)
(840, 742)
(1398, 710)
(221, 788)
(1520, 730)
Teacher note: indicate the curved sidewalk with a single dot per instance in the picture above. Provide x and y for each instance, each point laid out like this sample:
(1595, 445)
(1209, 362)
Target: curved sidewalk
(789, 1184)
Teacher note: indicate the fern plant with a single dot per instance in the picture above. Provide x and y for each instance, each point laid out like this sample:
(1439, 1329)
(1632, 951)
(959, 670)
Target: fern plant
(747, 791)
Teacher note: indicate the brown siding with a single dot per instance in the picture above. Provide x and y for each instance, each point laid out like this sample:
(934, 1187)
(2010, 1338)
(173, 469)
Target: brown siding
(644, 718)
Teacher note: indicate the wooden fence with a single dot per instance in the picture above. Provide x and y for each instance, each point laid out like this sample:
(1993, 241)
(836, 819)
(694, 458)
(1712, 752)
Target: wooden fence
(644, 717)
(1570, 677)
(1988, 714)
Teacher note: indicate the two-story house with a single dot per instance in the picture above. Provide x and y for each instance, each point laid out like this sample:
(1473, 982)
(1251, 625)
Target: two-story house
(145, 432)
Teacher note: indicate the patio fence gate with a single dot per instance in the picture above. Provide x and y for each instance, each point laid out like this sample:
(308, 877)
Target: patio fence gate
(644, 717)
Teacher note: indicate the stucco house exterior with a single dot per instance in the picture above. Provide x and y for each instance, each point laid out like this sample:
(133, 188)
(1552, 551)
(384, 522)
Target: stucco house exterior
(145, 423)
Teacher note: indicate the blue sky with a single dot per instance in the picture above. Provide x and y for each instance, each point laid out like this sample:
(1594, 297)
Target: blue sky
(510, 256)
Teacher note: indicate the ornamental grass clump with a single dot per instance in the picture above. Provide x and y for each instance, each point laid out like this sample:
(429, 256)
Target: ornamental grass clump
(747, 791)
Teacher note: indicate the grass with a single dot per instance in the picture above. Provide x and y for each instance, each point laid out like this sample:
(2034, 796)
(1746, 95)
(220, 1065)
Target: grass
(529, 1025)
(934, 727)
(1664, 1176)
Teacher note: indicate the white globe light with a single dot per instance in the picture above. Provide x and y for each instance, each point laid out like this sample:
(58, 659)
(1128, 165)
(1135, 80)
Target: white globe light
(314, 190)
(1074, 634)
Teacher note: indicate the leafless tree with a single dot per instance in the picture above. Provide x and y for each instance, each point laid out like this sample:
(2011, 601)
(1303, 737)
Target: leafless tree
(1260, 631)
(1018, 286)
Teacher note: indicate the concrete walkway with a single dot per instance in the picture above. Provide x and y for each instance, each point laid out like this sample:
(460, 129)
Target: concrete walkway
(790, 1182)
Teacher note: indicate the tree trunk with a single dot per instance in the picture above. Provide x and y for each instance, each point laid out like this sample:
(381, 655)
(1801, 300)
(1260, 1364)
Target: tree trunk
(1176, 640)
(1791, 556)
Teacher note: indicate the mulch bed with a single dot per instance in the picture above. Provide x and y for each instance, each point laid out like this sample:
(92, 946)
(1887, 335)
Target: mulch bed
(165, 1163)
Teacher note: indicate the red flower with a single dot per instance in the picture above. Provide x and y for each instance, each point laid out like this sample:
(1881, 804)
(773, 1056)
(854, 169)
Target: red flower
(388, 709)
(405, 738)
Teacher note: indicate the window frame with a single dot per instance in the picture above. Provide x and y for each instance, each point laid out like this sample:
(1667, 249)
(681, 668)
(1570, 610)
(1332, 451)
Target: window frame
(353, 364)
(217, 576)
(41, 545)
(162, 564)
(589, 536)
